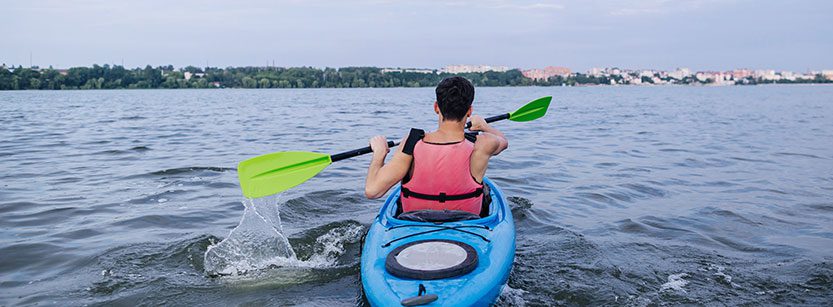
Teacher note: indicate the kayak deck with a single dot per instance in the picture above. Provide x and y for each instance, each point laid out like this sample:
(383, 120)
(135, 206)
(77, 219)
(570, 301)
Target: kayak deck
(492, 237)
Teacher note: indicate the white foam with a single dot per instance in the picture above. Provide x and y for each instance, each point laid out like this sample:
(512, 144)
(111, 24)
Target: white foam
(330, 246)
(675, 282)
(722, 276)
(511, 297)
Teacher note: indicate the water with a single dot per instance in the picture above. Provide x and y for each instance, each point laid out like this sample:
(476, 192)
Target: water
(621, 195)
(256, 243)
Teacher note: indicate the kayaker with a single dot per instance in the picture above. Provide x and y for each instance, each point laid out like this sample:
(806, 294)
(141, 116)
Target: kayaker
(443, 169)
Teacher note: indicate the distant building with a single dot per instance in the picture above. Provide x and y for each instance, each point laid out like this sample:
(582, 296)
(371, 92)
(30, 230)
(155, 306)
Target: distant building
(714, 77)
(806, 76)
(188, 75)
(599, 72)
(461, 69)
(738, 74)
(420, 71)
(788, 75)
(547, 72)
(767, 75)
(595, 71)
(705, 76)
(827, 74)
(680, 73)
(403, 70)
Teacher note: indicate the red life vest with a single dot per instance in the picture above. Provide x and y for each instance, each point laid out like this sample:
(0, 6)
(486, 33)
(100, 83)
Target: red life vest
(440, 176)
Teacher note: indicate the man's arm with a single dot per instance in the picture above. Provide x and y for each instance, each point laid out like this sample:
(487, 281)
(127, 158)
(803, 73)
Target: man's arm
(380, 176)
(490, 142)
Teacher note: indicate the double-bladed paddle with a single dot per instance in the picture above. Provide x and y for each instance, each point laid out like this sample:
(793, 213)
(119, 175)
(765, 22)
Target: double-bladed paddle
(279, 171)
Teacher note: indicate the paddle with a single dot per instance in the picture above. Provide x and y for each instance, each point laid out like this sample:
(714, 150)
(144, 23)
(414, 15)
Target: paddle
(277, 172)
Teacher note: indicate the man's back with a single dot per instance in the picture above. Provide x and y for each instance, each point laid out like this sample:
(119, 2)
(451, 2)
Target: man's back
(462, 167)
(442, 171)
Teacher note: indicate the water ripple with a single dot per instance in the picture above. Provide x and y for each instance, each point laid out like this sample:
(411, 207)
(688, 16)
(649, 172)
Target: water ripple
(621, 195)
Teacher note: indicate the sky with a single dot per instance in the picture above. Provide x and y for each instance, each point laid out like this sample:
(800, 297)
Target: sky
(579, 34)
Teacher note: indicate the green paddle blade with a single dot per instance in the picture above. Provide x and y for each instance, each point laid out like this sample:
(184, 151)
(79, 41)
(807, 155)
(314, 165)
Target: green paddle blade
(276, 172)
(531, 111)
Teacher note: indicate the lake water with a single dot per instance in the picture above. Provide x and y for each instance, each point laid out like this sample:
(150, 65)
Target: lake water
(621, 195)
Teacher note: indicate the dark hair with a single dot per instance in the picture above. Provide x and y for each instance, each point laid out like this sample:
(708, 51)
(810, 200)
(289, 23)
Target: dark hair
(454, 97)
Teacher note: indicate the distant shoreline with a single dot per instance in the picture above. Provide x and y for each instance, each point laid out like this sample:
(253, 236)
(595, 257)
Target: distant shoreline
(424, 87)
(167, 77)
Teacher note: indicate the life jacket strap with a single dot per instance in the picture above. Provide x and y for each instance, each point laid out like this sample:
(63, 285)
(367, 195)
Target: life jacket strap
(442, 197)
(413, 137)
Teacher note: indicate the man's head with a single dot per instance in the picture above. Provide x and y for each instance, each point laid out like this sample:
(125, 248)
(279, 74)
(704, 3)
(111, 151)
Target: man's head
(454, 98)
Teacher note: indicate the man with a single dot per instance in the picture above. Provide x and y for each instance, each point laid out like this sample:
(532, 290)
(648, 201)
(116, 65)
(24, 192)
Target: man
(443, 169)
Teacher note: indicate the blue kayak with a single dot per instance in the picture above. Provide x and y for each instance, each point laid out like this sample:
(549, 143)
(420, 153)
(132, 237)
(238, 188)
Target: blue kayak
(456, 261)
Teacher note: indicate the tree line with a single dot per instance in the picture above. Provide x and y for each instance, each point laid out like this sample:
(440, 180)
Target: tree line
(118, 77)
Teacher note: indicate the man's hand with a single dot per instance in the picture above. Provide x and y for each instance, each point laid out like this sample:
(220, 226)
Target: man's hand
(478, 123)
(380, 176)
(379, 145)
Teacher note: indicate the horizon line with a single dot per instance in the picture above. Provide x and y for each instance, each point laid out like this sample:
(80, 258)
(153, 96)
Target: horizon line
(506, 68)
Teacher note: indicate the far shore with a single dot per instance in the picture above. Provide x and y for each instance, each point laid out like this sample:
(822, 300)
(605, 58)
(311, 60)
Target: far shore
(168, 77)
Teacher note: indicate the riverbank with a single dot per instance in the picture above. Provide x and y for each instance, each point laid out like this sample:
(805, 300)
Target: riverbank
(167, 77)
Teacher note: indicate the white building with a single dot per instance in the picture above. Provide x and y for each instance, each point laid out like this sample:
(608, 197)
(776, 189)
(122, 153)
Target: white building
(680, 73)
(188, 75)
(403, 70)
(706, 76)
(788, 75)
(768, 75)
(646, 73)
(461, 69)
(595, 71)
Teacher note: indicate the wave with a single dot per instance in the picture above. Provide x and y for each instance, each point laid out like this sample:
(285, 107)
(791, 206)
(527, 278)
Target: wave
(184, 171)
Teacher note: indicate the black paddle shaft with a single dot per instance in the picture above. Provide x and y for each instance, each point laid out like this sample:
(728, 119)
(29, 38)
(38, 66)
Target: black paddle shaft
(356, 152)
(492, 119)
(364, 150)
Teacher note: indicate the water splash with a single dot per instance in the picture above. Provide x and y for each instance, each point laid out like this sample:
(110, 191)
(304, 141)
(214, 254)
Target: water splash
(331, 245)
(256, 243)
(511, 297)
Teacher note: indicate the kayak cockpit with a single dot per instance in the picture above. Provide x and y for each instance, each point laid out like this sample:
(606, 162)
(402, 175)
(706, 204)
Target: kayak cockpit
(438, 258)
(437, 216)
(390, 215)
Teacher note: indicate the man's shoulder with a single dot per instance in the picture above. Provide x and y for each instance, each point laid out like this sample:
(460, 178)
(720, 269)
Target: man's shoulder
(486, 142)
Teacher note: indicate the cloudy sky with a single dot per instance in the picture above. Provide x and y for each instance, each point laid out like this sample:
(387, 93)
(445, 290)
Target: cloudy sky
(580, 34)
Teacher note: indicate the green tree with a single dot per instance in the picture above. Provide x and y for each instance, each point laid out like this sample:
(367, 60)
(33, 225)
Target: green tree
(34, 84)
(249, 82)
(265, 83)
